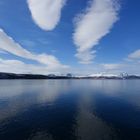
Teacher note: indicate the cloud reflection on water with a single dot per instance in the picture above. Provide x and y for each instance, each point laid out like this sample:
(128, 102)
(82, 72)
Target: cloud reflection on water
(71, 106)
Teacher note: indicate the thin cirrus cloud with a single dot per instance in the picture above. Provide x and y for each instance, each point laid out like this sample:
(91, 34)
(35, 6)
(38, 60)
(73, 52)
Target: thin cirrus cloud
(46, 13)
(92, 25)
(17, 66)
(134, 55)
(8, 44)
(112, 66)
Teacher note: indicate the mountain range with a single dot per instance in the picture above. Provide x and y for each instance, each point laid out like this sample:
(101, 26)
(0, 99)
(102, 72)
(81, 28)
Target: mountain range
(67, 76)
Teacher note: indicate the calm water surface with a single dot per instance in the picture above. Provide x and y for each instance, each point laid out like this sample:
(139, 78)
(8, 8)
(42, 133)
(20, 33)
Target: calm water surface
(69, 110)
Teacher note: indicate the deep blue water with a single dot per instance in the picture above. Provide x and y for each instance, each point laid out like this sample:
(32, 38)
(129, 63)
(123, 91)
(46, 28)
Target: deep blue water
(70, 110)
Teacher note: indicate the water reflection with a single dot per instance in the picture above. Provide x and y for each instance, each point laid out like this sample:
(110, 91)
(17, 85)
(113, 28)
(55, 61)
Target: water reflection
(89, 125)
(69, 110)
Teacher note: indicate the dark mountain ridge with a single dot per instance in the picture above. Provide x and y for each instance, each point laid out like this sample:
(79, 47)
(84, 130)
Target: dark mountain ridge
(68, 76)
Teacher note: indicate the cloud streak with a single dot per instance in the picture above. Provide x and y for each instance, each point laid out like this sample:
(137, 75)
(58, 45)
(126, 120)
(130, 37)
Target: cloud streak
(9, 45)
(92, 25)
(46, 13)
(134, 55)
(112, 66)
(16, 66)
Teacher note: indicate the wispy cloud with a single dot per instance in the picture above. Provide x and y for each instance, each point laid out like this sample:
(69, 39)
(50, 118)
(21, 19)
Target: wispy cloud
(46, 13)
(27, 42)
(2, 51)
(9, 45)
(123, 67)
(92, 25)
(16, 66)
(134, 55)
(112, 66)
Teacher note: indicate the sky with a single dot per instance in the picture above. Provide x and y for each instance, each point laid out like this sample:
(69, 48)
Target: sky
(84, 37)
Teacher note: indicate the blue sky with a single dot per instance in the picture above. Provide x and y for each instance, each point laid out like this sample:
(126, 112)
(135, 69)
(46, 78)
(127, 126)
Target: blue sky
(61, 36)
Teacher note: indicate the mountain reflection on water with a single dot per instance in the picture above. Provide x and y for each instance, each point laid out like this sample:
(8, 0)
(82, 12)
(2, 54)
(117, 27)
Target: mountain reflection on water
(69, 110)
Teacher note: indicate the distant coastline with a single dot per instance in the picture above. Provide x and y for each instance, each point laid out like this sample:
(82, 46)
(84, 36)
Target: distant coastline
(68, 76)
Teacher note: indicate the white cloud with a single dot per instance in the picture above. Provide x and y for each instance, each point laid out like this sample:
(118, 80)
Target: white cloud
(16, 66)
(46, 13)
(134, 55)
(112, 66)
(123, 67)
(85, 56)
(2, 52)
(9, 45)
(92, 25)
